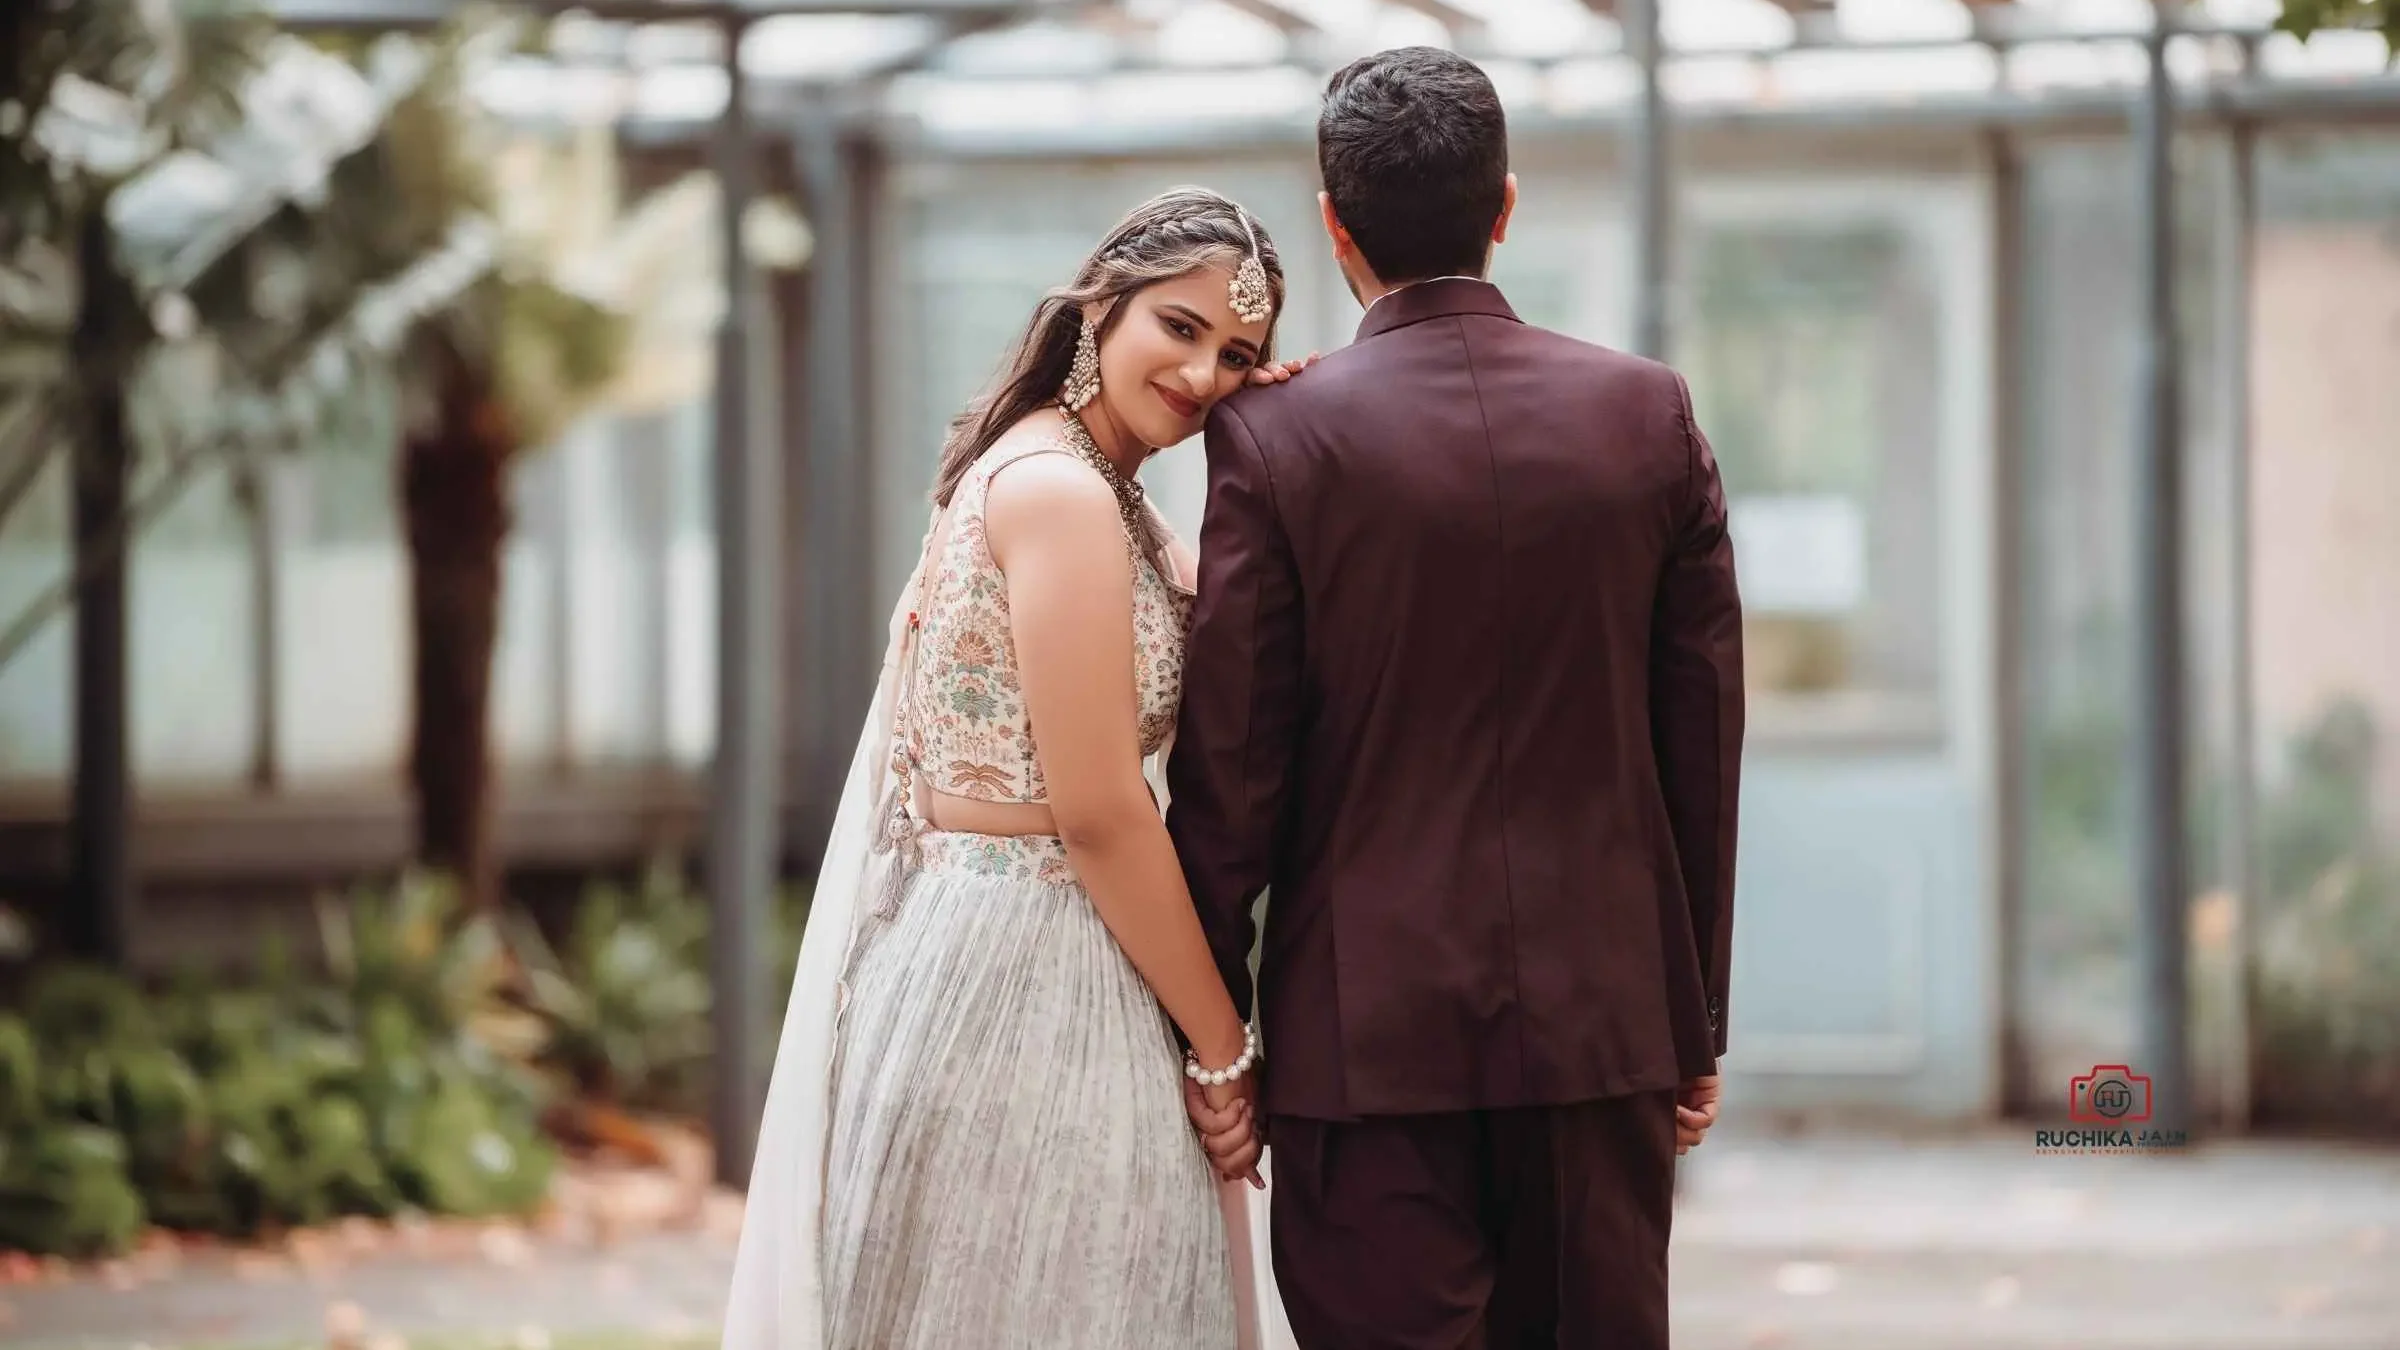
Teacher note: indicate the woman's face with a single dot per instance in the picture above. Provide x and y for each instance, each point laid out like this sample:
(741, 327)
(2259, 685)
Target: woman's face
(1176, 350)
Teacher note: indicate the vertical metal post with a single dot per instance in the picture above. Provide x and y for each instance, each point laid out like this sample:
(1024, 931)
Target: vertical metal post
(2162, 877)
(97, 923)
(254, 492)
(742, 835)
(837, 531)
(2241, 860)
(1653, 185)
(2013, 791)
(550, 484)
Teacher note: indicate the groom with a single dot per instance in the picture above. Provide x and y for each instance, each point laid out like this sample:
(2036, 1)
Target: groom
(1464, 689)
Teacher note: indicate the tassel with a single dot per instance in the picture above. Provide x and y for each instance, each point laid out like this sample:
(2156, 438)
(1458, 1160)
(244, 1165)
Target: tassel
(890, 885)
(897, 841)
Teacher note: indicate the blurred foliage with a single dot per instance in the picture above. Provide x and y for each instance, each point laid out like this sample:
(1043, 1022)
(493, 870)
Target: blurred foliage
(93, 90)
(627, 995)
(412, 1072)
(397, 1082)
(2301, 18)
(2325, 978)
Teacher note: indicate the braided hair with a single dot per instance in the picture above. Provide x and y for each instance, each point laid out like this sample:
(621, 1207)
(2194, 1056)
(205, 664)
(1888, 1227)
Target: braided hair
(1171, 235)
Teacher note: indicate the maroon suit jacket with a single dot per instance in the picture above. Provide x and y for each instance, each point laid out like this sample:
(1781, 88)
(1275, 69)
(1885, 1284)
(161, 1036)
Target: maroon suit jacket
(1464, 690)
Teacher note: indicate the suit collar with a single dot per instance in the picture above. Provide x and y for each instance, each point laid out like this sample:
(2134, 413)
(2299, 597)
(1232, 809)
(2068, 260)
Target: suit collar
(1433, 300)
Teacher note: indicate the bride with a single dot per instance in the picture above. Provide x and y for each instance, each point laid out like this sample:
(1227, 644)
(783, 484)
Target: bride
(976, 1133)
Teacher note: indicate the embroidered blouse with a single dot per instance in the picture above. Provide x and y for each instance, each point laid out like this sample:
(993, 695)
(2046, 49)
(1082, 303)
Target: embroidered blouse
(973, 736)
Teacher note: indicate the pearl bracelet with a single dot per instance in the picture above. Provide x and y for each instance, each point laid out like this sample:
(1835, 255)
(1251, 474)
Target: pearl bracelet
(1231, 1072)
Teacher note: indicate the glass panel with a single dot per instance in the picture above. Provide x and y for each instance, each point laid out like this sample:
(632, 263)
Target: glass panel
(691, 588)
(192, 642)
(2074, 1001)
(344, 592)
(526, 653)
(1813, 348)
(36, 722)
(620, 495)
(2324, 574)
(1566, 265)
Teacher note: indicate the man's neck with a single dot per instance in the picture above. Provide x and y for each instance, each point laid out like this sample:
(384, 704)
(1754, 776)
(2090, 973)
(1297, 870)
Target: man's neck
(1370, 297)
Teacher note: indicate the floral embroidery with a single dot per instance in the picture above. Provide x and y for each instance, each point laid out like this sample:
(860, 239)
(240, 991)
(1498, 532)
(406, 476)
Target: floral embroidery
(990, 777)
(970, 699)
(974, 732)
(1036, 858)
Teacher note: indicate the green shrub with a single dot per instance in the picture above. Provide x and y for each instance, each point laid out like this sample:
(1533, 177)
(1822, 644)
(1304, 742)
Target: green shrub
(401, 1081)
(63, 1189)
(628, 992)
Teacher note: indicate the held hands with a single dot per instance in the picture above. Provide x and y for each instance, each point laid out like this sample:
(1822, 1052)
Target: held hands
(1695, 1111)
(1276, 372)
(1227, 1118)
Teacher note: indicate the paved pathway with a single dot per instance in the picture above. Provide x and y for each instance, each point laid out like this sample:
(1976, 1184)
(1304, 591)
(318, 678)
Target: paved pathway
(1822, 1243)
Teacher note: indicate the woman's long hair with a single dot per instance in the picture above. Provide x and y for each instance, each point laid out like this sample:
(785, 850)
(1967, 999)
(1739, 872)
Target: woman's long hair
(1168, 236)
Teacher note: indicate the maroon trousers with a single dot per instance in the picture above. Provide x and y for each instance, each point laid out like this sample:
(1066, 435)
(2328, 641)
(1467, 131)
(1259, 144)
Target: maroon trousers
(1478, 1230)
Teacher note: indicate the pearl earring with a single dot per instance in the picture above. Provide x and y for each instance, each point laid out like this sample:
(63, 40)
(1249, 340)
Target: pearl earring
(1083, 378)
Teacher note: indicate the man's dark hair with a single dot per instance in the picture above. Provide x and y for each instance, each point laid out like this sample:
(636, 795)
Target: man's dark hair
(1413, 147)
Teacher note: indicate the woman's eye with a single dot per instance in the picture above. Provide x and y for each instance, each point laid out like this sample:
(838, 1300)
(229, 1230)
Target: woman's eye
(1180, 328)
(1237, 360)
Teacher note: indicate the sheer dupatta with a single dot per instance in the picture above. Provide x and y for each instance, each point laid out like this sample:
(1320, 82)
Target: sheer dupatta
(776, 1301)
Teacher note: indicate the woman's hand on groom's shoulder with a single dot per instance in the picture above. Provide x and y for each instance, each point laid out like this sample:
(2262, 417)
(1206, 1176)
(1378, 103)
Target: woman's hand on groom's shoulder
(1276, 372)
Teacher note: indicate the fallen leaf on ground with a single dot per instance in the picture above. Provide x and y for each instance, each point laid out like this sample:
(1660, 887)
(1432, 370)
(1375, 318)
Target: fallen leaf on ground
(503, 1245)
(2303, 1300)
(721, 1214)
(1806, 1279)
(259, 1267)
(363, 1235)
(345, 1323)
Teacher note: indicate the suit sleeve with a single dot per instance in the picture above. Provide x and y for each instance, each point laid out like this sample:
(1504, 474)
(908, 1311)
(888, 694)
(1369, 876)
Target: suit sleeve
(1696, 707)
(1234, 740)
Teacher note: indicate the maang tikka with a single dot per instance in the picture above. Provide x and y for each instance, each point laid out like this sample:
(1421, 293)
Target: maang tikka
(1083, 378)
(1252, 298)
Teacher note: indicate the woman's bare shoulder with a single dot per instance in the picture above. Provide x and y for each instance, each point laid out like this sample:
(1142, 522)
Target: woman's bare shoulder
(1036, 430)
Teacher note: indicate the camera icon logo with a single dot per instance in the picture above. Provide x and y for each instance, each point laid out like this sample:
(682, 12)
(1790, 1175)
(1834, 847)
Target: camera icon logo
(2111, 1094)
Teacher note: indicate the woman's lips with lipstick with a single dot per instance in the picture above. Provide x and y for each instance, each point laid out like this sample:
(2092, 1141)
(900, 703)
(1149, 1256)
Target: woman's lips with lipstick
(1183, 406)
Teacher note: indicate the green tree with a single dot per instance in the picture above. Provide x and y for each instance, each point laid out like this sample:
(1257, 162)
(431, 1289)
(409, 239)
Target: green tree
(95, 96)
(2305, 17)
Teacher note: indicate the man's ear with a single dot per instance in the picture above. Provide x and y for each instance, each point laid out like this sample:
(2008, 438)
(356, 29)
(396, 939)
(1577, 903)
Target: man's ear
(1342, 246)
(1508, 207)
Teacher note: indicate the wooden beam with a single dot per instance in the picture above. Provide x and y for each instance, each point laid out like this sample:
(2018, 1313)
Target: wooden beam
(1290, 22)
(1460, 22)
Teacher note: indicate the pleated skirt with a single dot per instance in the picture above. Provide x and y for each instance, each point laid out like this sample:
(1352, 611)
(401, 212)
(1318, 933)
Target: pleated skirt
(1009, 1164)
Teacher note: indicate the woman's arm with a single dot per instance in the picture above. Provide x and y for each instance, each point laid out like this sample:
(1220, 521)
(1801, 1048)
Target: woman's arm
(1055, 532)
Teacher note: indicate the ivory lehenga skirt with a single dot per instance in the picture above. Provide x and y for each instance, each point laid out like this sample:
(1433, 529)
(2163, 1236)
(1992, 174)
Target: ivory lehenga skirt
(1010, 1165)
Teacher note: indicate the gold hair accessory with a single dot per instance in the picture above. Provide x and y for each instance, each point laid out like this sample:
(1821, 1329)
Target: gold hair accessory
(1253, 299)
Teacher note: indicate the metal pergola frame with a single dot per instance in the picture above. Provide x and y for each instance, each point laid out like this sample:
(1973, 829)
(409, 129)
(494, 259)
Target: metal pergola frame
(824, 120)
